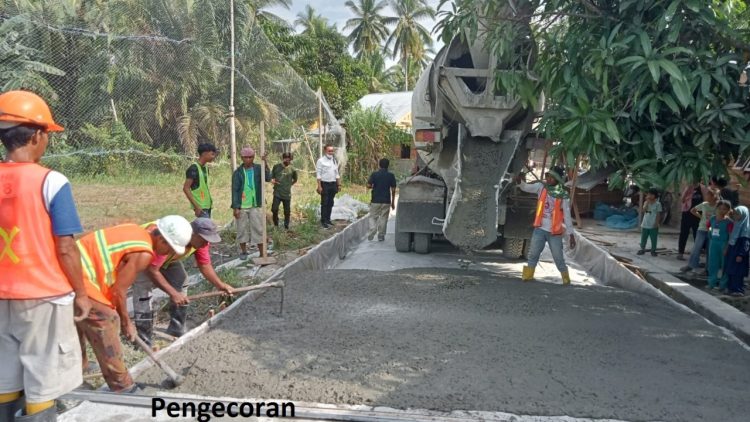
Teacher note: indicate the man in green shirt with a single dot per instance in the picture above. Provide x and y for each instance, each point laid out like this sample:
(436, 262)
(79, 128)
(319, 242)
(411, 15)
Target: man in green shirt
(247, 201)
(196, 182)
(283, 176)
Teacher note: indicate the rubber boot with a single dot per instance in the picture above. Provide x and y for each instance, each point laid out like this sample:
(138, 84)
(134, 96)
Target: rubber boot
(528, 273)
(47, 415)
(178, 315)
(8, 410)
(144, 324)
(565, 278)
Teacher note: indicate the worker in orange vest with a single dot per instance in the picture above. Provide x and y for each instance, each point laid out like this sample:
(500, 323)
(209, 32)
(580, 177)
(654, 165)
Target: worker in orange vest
(551, 220)
(112, 258)
(41, 287)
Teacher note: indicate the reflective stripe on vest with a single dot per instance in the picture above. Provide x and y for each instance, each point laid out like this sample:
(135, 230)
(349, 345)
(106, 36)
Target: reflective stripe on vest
(202, 195)
(29, 268)
(557, 213)
(172, 257)
(102, 252)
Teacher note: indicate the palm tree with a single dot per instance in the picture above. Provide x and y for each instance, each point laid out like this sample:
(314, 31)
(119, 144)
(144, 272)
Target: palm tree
(409, 37)
(368, 26)
(379, 80)
(262, 14)
(311, 22)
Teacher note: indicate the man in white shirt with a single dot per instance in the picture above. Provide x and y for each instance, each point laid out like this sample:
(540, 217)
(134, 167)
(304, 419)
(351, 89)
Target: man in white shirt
(551, 221)
(329, 184)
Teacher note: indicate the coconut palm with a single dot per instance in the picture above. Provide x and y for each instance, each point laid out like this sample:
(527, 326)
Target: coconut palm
(409, 37)
(368, 26)
(261, 13)
(311, 22)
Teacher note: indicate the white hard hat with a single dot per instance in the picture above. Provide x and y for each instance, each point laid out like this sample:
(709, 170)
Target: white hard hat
(176, 230)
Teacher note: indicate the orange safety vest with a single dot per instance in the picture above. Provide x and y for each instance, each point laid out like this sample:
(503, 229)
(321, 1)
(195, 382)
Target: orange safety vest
(29, 268)
(102, 252)
(557, 213)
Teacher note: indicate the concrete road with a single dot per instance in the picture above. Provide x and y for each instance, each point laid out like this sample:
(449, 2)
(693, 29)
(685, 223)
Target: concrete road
(409, 331)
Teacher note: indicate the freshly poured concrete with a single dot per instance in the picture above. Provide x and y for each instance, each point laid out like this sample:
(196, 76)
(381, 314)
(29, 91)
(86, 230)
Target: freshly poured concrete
(451, 339)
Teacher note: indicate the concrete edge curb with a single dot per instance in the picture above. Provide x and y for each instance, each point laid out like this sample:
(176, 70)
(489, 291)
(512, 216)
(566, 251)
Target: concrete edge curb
(336, 246)
(705, 305)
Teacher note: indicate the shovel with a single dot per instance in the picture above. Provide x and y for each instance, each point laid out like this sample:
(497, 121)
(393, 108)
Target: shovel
(175, 379)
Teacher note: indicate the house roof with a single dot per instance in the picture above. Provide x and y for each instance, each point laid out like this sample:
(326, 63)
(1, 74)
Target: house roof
(395, 105)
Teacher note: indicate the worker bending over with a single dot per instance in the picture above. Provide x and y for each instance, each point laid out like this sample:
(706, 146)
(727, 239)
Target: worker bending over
(167, 272)
(112, 258)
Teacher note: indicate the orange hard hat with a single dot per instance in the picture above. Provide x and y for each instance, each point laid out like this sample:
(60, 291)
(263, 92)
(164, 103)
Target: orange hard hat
(26, 107)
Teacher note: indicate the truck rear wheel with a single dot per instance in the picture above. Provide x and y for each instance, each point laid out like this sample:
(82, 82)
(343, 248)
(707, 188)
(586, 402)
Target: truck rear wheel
(403, 241)
(514, 248)
(422, 242)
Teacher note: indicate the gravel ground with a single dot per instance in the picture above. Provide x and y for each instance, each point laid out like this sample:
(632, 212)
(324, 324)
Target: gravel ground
(451, 340)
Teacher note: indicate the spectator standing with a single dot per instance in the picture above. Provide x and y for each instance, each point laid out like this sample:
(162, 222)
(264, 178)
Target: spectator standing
(41, 281)
(722, 185)
(329, 184)
(283, 177)
(736, 265)
(704, 211)
(383, 199)
(196, 182)
(692, 196)
(719, 229)
(552, 220)
(247, 201)
(652, 210)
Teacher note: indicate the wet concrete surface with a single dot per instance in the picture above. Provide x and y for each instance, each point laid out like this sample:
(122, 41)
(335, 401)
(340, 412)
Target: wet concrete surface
(451, 339)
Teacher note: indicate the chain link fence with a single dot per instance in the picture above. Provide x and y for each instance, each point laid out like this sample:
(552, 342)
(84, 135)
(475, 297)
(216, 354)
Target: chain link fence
(138, 84)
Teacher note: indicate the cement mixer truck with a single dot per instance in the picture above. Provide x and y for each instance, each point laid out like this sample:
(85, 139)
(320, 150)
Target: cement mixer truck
(471, 141)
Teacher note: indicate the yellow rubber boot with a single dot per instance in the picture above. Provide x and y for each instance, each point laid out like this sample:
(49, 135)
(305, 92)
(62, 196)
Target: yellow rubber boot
(565, 278)
(528, 273)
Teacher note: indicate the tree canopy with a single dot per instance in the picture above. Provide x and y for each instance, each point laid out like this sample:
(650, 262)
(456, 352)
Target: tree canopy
(650, 86)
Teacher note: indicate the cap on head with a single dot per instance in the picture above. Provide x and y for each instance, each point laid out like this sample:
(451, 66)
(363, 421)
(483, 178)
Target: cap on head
(206, 228)
(24, 107)
(176, 230)
(247, 152)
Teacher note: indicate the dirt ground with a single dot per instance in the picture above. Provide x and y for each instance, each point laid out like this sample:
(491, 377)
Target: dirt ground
(454, 339)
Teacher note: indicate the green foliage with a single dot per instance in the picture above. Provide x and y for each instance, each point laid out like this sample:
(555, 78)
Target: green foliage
(372, 137)
(648, 85)
(117, 154)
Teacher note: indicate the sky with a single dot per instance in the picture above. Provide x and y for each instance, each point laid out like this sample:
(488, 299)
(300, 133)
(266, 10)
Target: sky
(337, 13)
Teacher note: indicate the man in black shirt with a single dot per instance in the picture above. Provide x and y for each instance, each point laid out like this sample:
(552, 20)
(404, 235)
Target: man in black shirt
(383, 185)
(196, 182)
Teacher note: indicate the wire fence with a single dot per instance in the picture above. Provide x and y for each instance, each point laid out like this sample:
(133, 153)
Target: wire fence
(139, 84)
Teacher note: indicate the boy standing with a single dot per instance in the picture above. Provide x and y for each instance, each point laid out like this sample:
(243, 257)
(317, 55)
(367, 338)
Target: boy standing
(383, 185)
(283, 177)
(196, 182)
(651, 218)
(719, 228)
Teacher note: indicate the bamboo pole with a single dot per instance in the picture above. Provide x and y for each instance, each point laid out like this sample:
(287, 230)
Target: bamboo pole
(320, 122)
(277, 284)
(573, 194)
(232, 128)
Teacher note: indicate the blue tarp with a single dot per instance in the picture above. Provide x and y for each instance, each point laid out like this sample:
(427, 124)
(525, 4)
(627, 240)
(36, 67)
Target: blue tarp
(616, 218)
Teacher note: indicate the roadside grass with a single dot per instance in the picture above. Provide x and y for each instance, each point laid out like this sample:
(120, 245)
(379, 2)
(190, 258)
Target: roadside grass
(105, 201)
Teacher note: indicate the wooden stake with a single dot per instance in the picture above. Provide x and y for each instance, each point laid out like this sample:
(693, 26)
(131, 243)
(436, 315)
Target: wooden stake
(573, 194)
(263, 259)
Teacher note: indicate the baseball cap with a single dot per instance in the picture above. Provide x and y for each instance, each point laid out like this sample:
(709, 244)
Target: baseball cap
(206, 228)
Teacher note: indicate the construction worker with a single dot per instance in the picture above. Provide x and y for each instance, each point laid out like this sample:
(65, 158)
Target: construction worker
(247, 201)
(196, 181)
(167, 272)
(112, 258)
(551, 221)
(41, 286)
